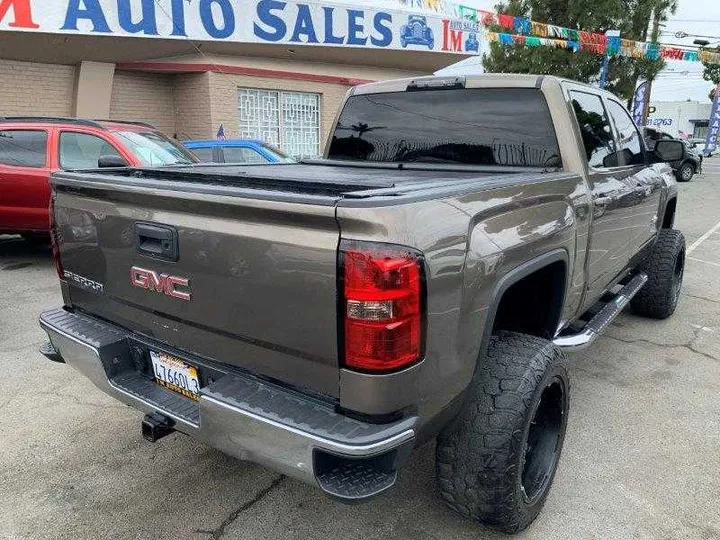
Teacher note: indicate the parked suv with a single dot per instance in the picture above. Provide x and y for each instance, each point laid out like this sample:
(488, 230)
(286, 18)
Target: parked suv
(31, 148)
(684, 169)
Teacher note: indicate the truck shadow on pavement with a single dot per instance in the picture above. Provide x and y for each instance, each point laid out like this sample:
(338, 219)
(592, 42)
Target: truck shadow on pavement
(16, 254)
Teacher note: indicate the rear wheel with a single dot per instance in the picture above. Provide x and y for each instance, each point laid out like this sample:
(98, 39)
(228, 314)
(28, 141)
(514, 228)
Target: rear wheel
(685, 172)
(665, 268)
(496, 462)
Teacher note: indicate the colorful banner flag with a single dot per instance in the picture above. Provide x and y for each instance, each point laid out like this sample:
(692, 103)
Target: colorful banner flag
(638, 106)
(711, 142)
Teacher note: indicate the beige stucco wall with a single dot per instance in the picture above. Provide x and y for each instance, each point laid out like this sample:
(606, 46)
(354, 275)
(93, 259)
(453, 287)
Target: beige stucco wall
(93, 89)
(36, 89)
(144, 97)
(190, 105)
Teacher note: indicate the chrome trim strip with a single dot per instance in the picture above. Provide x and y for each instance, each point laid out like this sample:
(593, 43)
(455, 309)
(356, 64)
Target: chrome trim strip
(327, 444)
(593, 329)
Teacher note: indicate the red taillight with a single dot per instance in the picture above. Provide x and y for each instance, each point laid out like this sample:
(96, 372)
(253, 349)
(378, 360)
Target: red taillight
(55, 240)
(382, 307)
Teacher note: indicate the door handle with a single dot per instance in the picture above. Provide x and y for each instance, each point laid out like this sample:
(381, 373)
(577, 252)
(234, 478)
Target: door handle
(157, 241)
(602, 201)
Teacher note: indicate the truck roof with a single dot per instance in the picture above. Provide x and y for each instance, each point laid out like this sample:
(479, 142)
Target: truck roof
(485, 80)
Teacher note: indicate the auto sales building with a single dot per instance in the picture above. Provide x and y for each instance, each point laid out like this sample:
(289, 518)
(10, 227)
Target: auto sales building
(265, 69)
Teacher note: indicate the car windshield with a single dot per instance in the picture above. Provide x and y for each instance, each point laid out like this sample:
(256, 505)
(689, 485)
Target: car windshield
(154, 149)
(281, 156)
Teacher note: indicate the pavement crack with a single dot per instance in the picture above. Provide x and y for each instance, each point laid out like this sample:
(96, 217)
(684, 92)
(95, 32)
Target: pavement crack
(689, 345)
(220, 531)
(642, 340)
(701, 298)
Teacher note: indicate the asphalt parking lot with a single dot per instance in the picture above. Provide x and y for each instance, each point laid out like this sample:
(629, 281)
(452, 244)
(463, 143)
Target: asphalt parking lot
(640, 461)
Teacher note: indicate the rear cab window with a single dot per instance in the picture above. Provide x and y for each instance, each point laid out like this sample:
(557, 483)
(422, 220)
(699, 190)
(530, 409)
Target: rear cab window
(24, 147)
(470, 126)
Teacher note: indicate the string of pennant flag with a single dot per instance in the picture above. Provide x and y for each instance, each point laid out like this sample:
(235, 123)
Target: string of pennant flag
(525, 32)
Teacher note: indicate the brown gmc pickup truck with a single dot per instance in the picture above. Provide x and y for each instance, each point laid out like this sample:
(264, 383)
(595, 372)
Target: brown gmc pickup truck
(420, 282)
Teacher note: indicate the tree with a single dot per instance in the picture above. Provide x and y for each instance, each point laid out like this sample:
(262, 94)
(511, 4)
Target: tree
(712, 73)
(631, 17)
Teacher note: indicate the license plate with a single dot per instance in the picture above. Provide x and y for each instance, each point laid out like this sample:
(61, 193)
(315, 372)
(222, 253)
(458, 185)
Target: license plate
(176, 375)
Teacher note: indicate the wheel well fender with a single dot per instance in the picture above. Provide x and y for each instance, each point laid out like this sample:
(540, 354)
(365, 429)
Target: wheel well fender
(515, 276)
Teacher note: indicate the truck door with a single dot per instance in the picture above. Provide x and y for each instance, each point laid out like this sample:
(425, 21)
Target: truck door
(644, 181)
(24, 175)
(612, 205)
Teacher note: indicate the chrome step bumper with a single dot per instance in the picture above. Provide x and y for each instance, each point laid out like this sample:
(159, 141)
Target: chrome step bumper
(594, 327)
(244, 417)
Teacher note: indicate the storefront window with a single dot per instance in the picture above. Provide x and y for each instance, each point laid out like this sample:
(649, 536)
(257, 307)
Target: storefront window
(289, 120)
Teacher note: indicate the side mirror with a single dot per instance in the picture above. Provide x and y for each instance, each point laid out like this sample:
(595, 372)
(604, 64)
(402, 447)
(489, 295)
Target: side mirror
(111, 161)
(668, 151)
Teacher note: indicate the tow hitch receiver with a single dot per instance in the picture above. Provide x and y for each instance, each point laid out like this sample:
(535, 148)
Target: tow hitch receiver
(156, 426)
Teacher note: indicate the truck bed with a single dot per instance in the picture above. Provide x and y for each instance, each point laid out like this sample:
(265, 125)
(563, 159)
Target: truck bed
(320, 178)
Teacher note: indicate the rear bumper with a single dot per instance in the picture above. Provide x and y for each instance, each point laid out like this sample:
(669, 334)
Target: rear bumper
(242, 416)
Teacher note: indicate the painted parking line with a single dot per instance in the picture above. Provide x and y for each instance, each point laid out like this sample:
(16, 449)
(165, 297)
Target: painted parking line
(704, 237)
(700, 260)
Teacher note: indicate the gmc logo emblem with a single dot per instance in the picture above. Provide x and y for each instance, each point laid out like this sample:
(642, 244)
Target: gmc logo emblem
(163, 283)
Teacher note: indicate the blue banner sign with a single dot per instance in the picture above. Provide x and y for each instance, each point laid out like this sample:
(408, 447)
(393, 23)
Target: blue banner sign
(711, 143)
(246, 21)
(638, 107)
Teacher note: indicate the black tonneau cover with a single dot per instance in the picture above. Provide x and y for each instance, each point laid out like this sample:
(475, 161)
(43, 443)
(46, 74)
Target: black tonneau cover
(320, 177)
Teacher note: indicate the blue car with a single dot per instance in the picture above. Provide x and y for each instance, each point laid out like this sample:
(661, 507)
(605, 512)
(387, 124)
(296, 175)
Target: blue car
(472, 43)
(417, 32)
(244, 151)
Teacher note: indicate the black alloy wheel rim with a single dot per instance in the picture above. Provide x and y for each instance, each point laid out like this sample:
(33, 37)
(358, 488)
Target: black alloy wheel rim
(542, 441)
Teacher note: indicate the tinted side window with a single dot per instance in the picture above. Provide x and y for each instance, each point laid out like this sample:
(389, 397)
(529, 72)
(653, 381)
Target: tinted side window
(203, 154)
(82, 151)
(595, 128)
(242, 155)
(23, 148)
(630, 148)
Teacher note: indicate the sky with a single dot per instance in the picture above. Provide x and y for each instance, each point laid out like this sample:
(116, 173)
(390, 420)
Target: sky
(679, 81)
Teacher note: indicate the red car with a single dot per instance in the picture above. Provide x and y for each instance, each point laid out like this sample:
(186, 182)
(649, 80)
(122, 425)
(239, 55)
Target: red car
(32, 148)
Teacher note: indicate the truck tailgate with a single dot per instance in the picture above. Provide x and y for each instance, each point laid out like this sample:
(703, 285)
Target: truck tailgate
(261, 274)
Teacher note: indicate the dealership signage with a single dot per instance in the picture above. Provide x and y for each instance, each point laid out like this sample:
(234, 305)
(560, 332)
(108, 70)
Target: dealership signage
(253, 21)
(711, 143)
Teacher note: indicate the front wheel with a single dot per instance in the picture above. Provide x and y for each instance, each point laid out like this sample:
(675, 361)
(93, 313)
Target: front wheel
(496, 462)
(665, 268)
(685, 172)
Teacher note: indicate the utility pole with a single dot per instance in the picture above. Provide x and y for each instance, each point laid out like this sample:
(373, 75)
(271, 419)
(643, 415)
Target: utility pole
(654, 36)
